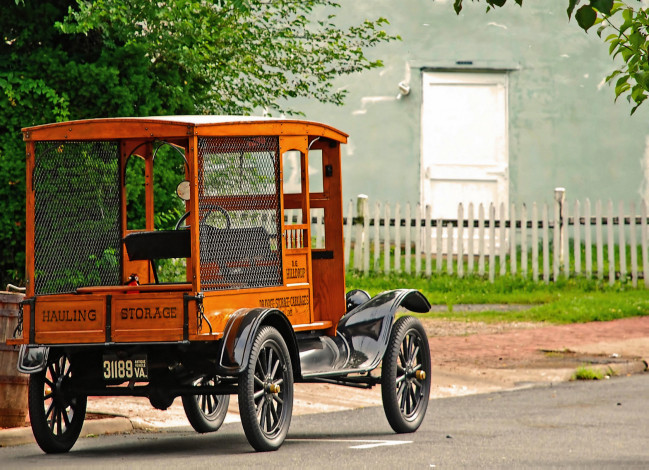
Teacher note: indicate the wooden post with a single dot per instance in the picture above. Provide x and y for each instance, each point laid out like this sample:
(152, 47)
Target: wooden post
(492, 242)
(439, 245)
(470, 240)
(644, 233)
(599, 240)
(449, 249)
(622, 242)
(408, 249)
(512, 240)
(577, 238)
(460, 240)
(366, 236)
(418, 246)
(348, 232)
(524, 270)
(386, 238)
(397, 238)
(481, 235)
(557, 243)
(502, 252)
(377, 237)
(535, 242)
(361, 201)
(588, 240)
(634, 247)
(428, 241)
(611, 244)
(565, 240)
(546, 245)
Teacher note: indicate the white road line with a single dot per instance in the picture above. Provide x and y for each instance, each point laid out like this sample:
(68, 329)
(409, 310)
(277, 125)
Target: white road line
(363, 443)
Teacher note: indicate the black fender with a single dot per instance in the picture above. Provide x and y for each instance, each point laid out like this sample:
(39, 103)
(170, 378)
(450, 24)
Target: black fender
(240, 332)
(32, 359)
(366, 328)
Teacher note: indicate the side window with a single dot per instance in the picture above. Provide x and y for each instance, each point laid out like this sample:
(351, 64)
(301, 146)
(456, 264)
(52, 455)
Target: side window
(315, 171)
(296, 217)
(292, 179)
(168, 172)
(135, 193)
(318, 228)
(292, 172)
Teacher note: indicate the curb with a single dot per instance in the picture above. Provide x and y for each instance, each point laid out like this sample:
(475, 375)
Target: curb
(623, 369)
(92, 428)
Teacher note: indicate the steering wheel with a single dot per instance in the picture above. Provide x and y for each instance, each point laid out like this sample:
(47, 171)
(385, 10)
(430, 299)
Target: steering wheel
(181, 220)
(211, 208)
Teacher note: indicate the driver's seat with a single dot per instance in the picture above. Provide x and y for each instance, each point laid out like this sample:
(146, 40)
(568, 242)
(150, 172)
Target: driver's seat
(160, 244)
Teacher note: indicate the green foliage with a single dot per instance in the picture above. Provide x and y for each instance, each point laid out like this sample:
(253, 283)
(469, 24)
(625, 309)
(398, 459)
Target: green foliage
(233, 56)
(628, 40)
(75, 59)
(587, 373)
(457, 4)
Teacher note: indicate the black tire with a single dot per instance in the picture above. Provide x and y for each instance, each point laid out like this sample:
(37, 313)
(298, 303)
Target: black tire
(405, 375)
(56, 415)
(266, 391)
(206, 412)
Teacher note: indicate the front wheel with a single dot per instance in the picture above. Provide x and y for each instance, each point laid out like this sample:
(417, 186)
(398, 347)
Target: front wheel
(405, 375)
(56, 414)
(266, 391)
(207, 412)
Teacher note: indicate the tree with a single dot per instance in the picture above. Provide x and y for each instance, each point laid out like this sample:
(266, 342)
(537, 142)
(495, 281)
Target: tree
(627, 33)
(73, 59)
(234, 56)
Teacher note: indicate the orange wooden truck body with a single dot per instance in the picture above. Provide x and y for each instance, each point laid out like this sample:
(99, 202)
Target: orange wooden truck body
(89, 306)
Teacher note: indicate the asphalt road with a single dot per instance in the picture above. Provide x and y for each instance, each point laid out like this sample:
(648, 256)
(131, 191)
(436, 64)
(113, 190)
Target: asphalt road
(586, 424)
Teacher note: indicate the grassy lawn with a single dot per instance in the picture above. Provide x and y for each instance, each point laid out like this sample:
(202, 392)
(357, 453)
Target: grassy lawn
(566, 301)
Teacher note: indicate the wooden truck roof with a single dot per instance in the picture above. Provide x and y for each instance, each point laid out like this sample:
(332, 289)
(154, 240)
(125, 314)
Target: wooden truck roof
(178, 126)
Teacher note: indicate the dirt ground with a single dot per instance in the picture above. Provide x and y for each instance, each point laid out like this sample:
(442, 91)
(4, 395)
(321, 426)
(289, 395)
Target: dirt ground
(534, 345)
(468, 358)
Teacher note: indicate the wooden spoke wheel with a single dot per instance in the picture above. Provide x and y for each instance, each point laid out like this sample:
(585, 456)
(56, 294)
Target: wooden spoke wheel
(266, 391)
(405, 376)
(206, 412)
(56, 414)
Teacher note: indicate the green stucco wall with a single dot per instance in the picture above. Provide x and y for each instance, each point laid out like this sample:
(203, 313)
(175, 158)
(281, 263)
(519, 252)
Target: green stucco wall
(564, 127)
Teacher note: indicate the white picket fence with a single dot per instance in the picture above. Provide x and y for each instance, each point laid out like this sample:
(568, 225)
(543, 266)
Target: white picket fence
(604, 241)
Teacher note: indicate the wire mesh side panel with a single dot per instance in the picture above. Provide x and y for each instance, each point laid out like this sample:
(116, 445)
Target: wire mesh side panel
(239, 212)
(76, 216)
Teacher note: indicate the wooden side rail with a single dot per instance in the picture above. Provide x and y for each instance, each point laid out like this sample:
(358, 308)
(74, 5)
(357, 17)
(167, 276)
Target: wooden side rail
(185, 287)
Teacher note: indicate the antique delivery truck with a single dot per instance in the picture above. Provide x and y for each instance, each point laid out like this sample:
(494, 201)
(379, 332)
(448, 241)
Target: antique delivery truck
(243, 297)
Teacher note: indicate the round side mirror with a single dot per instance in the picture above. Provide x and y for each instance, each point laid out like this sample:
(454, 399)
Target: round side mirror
(183, 190)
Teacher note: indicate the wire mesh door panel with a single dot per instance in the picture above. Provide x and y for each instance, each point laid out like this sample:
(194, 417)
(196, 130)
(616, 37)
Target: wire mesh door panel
(239, 212)
(77, 223)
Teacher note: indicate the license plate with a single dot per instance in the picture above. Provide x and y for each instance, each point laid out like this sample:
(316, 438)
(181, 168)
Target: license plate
(130, 368)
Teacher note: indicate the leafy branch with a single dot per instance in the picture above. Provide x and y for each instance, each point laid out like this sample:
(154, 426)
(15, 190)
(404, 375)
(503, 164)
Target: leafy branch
(236, 56)
(628, 40)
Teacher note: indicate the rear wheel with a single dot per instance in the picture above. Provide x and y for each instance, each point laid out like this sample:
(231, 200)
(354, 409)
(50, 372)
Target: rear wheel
(56, 414)
(206, 412)
(266, 391)
(405, 375)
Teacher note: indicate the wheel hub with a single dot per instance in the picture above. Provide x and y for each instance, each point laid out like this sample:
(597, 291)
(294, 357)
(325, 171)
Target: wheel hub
(270, 388)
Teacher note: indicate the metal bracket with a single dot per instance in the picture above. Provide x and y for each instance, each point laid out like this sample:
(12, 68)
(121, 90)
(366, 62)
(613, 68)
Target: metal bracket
(198, 298)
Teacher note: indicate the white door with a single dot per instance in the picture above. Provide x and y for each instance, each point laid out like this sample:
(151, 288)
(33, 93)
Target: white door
(464, 154)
